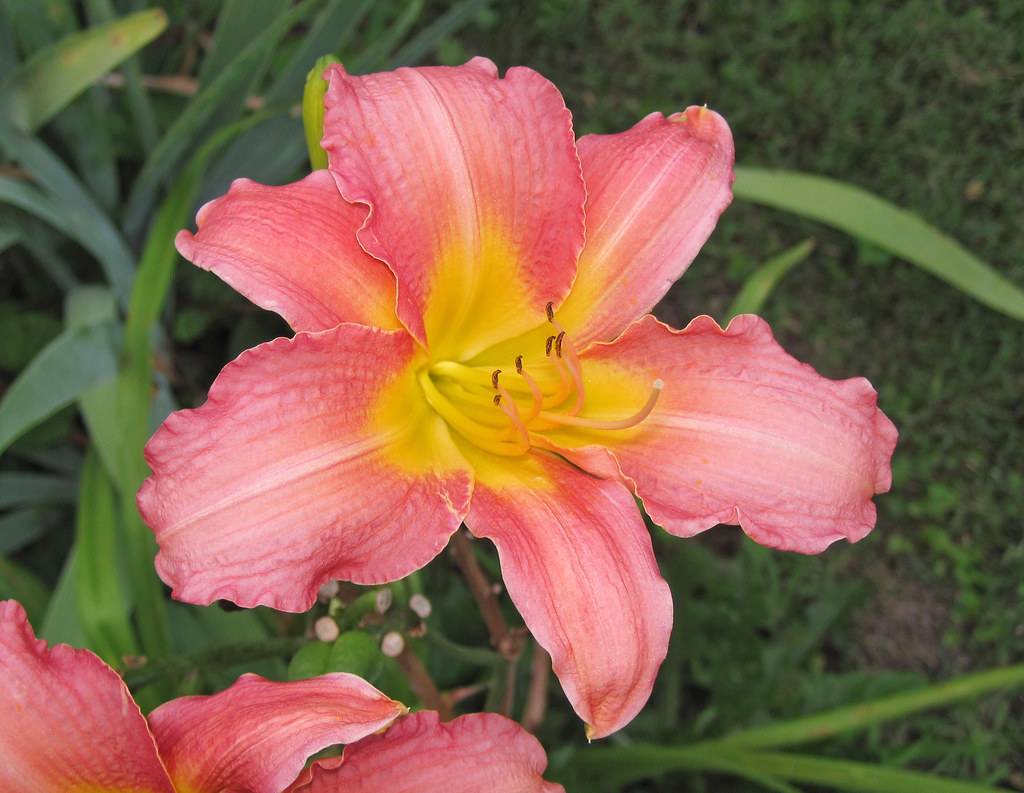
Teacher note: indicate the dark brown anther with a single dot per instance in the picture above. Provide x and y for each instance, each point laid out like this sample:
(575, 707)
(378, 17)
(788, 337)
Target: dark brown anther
(494, 378)
(550, 309)
(497, 399)
(547, 345)
(519, 364)
(558, 343)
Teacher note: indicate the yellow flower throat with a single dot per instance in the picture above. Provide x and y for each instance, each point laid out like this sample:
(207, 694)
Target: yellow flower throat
(501, 412)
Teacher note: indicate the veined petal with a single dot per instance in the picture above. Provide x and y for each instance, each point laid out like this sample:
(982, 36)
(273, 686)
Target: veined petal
(577, 561)
(314, 458)
(654, 194)
(293, 249)
(419, 754)
(67, 721)
(257, 735)
(742, 433)
(474, 189)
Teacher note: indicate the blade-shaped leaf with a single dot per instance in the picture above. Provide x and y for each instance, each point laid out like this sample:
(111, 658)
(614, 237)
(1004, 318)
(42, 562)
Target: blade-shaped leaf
(54, 76)
(103, 605)
(762, 281)
(884, 224)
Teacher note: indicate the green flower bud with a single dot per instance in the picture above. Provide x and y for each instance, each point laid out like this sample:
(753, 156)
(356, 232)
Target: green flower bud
(313, 110)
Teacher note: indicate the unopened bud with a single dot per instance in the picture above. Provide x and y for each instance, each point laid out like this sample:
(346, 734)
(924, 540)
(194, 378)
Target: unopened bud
(420, 606)
(326, 629)
(328, 590)
(392, 644)
(313, 110)
(383, 600)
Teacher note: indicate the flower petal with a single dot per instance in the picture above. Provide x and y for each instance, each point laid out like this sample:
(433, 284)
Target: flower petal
(654, 194)
(293, 249)
(577, 561)
(418, 754)
(313, 458)
(257, 735)
(67, 721)
(475, 194)
(745, 434)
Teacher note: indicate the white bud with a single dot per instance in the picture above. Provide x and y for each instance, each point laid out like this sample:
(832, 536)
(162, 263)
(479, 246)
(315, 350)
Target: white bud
(392, 644)
(326, 629)
(420, 605)
(328, 590)
(383, 601)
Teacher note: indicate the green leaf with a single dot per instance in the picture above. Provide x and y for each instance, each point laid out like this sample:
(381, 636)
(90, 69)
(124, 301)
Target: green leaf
(19, 489)
(61, 623)
(866, 714)
(844, 775)
(67, 206)
(54, 76)
(17, 583)
(355, 652)
(427, 39)
(376, 55)
(68, 366)
(200, 110)
(884, 224)
(24, 526)
(102, 603)
(759, 285)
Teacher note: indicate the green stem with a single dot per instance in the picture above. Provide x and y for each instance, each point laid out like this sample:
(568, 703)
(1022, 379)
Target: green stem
(477, 656)
(177, 667)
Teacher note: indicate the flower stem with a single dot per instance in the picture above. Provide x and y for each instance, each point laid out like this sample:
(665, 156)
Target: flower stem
(177, 667)
(483, 594)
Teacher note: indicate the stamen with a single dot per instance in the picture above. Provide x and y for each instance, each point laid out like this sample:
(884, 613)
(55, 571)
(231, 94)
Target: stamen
(490, 438)
(508, 407)
(538, 395)
(550, 310)
(573, 362)
(558, 343)
(547, 345)
(612, 424)
(494, 377)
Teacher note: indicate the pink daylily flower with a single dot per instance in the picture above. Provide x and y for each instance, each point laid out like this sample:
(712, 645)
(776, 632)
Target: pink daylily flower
(68, 723)
(469, 288)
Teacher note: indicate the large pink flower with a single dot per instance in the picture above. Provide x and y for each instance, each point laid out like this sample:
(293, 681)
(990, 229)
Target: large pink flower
(446, 242)
(68, 723)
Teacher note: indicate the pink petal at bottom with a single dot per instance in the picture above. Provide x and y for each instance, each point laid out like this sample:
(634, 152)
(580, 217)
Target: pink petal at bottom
(67, 721)
(478, 753)
(257, 735)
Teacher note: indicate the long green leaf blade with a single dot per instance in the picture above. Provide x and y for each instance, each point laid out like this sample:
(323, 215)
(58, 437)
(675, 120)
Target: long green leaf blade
(884, 224)
(206, 104)
(759, 285)
(68, 366)
(866, 714)
(102, 604)
(45, 84)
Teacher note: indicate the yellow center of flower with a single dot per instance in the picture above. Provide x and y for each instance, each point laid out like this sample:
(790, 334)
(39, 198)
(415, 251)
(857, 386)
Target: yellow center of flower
(503, 411)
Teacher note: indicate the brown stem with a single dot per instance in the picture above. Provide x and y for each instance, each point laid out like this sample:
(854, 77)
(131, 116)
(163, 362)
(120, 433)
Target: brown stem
(483, 594)
(537, 693)
(422, 684)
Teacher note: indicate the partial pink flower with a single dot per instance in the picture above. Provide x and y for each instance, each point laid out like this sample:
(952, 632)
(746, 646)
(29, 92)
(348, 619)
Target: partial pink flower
(420, 754)
(519, 384)
(68, 722)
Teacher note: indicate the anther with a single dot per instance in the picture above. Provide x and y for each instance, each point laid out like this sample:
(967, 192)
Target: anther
(497, 399)
(550, 310)
(519, 364)
(558, 343)
(547, 345)
(494, 377)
